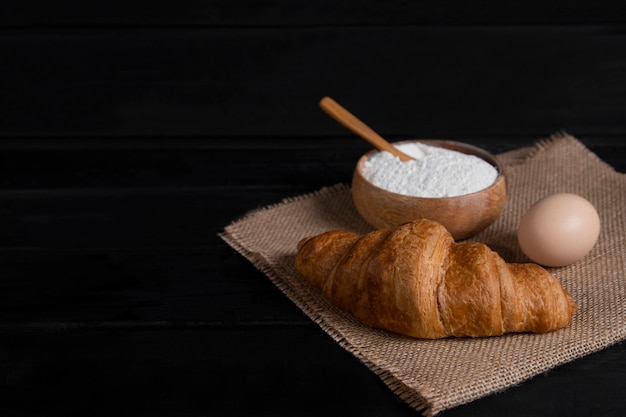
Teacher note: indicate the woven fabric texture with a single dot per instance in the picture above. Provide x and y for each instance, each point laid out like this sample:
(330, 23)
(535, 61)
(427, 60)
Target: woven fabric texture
(434, 375)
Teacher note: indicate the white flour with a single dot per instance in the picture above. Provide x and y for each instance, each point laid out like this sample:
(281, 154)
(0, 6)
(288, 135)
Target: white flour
(435, 172)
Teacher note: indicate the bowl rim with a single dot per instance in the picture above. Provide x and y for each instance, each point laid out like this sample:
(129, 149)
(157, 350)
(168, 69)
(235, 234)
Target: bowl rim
(488, 157)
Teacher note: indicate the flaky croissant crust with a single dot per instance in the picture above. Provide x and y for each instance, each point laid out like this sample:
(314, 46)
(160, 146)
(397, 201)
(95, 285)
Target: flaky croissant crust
(417, 281)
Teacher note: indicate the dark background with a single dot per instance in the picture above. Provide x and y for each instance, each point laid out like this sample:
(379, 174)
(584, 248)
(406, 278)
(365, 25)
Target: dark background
(131, 133)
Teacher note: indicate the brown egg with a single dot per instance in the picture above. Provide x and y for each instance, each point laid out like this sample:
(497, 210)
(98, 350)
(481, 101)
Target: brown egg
(559, 230)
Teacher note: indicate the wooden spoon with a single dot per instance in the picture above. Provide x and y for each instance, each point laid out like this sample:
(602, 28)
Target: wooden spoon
(343, 116)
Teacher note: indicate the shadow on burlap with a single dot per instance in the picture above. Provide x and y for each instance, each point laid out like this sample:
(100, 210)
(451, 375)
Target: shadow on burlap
(434, 375)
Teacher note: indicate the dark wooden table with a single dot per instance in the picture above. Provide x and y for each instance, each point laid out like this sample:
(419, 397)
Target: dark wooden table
(118, 298)
(132, 133)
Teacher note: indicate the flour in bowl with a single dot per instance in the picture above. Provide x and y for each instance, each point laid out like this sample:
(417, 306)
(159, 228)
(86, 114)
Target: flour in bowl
(435, 172)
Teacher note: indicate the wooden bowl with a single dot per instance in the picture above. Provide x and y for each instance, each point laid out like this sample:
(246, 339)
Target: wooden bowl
(463, 215)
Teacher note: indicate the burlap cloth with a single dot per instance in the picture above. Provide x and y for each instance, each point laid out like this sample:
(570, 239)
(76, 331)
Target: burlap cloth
(435, 375)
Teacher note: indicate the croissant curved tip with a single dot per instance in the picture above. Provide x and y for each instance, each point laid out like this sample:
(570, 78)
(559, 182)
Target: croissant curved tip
(303, 242)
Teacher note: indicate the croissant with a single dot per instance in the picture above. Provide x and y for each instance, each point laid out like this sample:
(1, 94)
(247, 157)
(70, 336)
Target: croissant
(417, 281)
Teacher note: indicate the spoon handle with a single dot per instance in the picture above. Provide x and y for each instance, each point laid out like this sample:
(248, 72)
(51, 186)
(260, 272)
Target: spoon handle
(343, 116)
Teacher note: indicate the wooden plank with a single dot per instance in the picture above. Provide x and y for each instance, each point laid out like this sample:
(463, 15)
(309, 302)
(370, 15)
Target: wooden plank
(131, 219)
(320, 12)
(263, 370)
(205, 166)
(266, 82)
(209, 287)
(97, 168)
(190, 372)
(113, 256)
